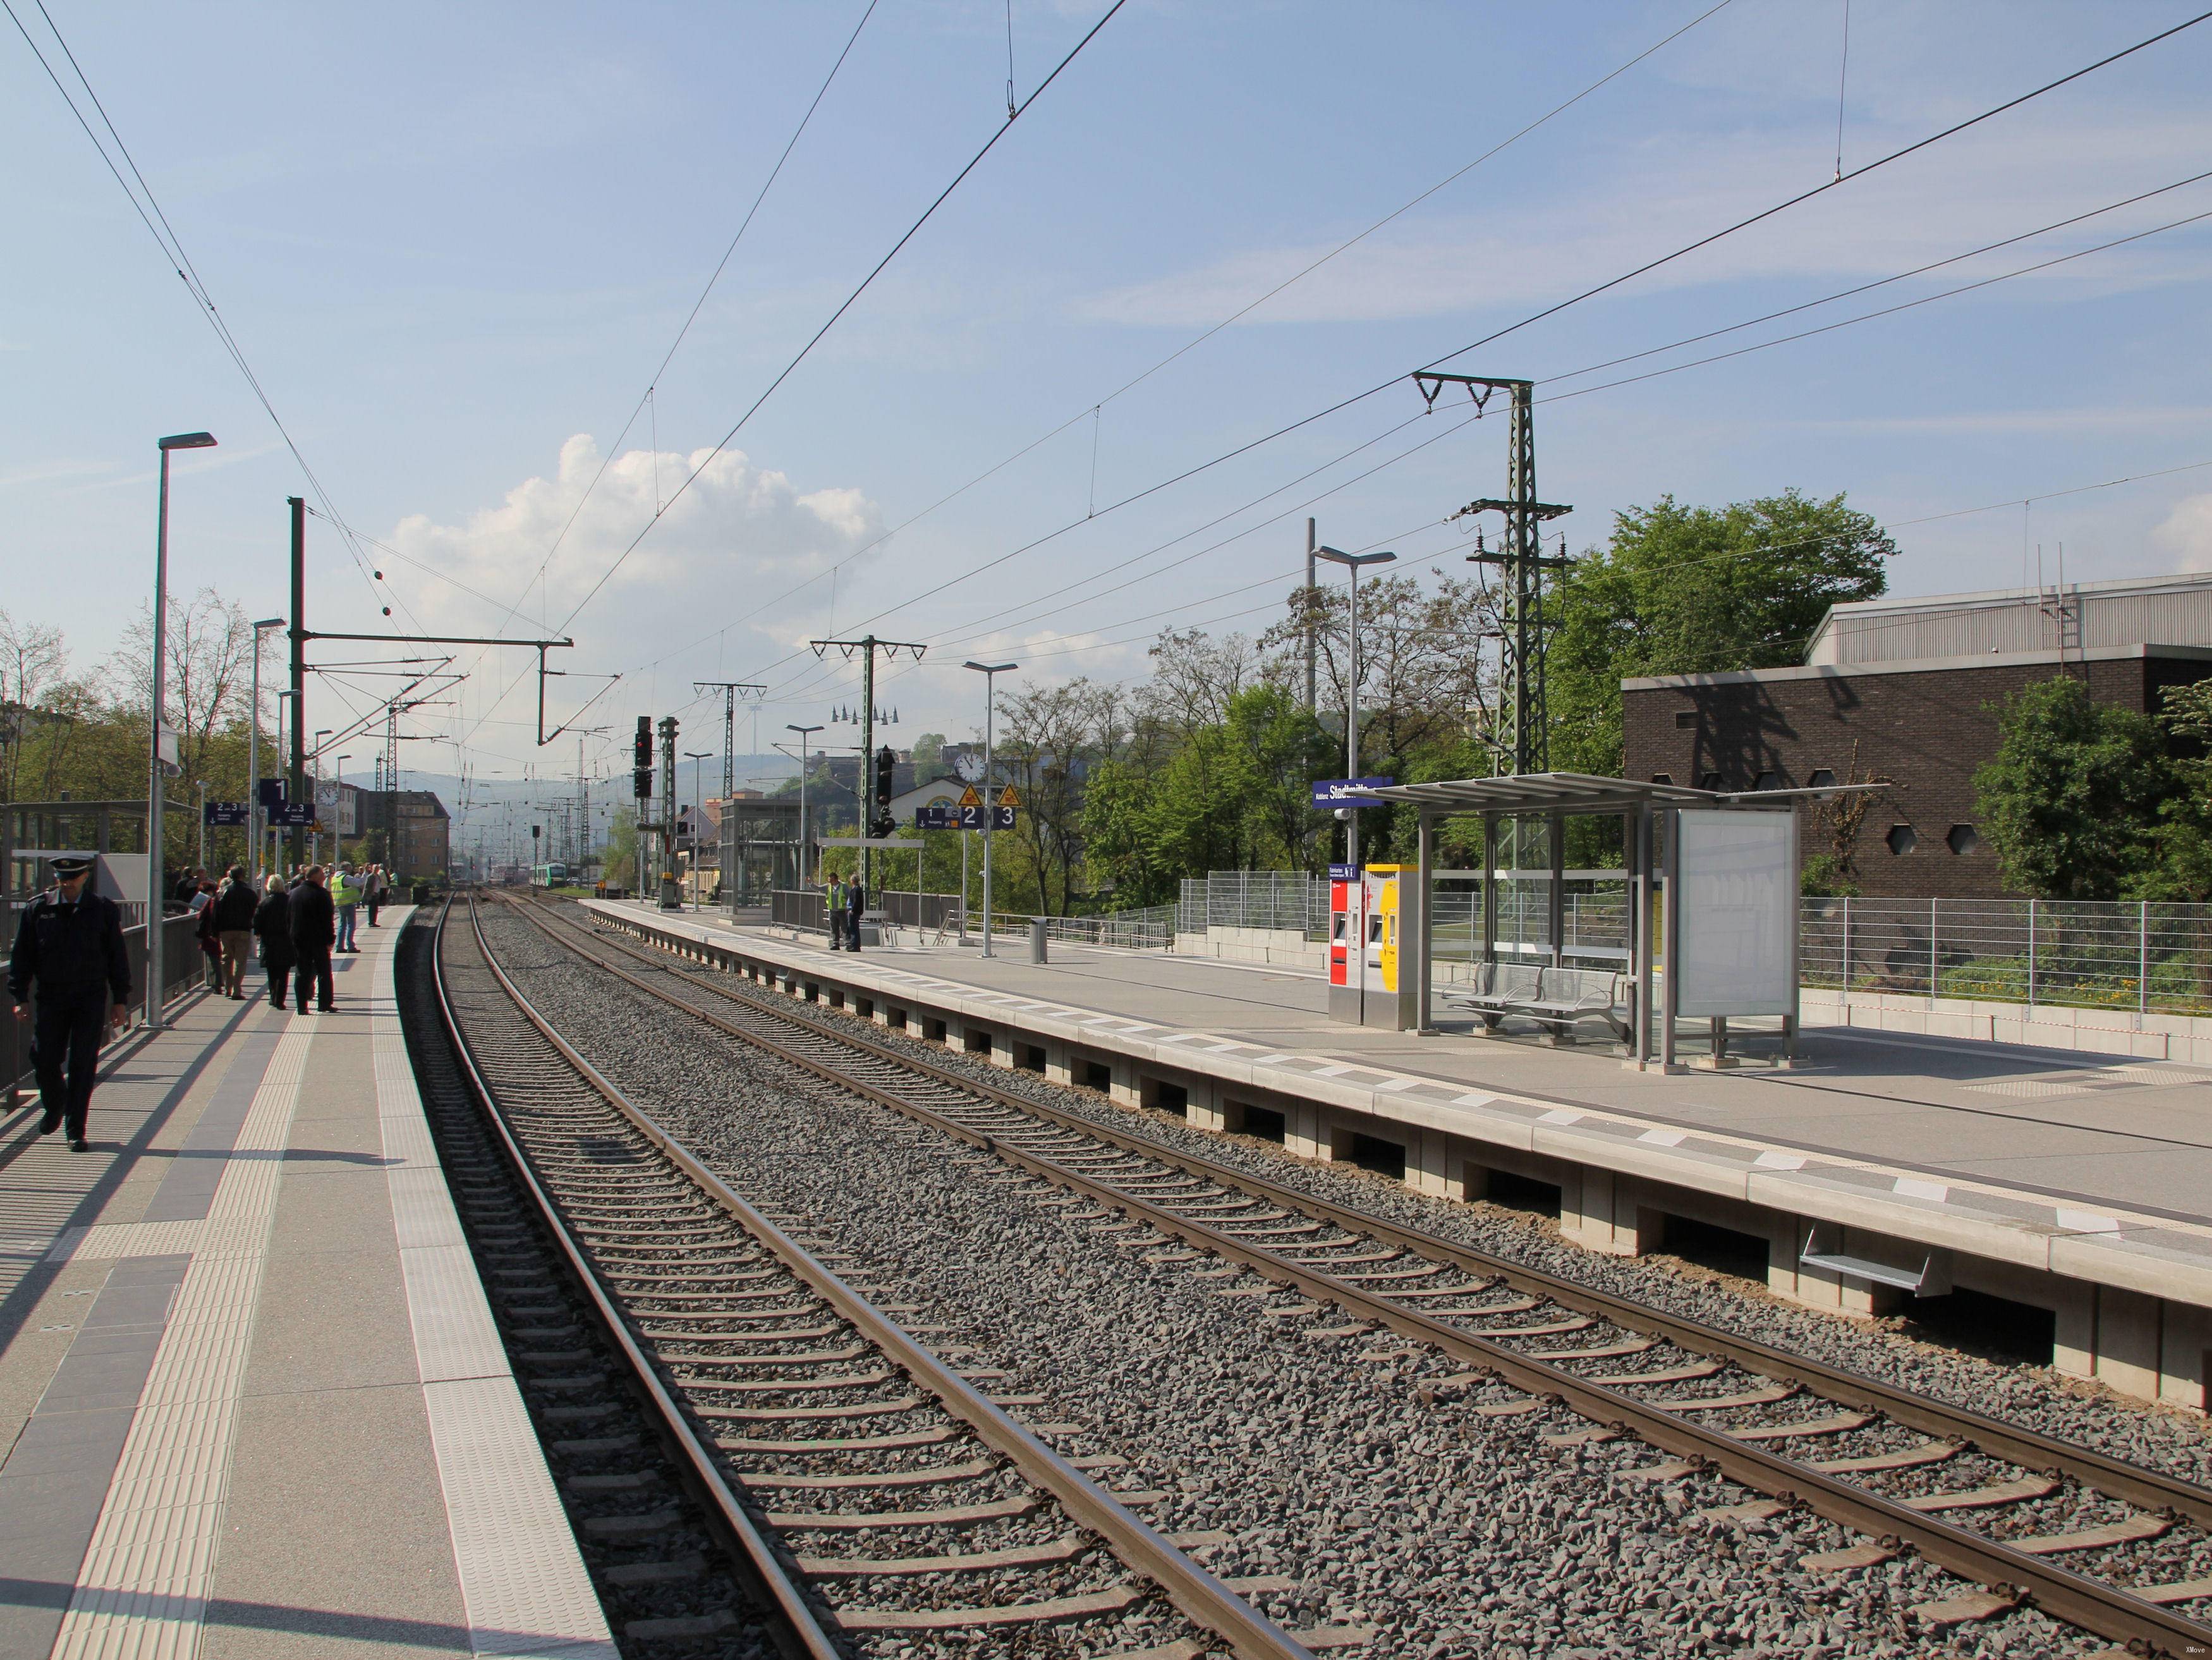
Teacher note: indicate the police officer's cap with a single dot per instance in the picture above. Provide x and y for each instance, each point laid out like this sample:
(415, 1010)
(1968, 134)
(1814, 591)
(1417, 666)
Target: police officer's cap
(71, 864)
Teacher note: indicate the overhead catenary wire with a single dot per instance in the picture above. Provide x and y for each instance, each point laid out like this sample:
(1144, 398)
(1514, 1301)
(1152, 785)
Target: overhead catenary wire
(1885, 311)
(1554, 309)
(1885, 282)
(1062, 602)
(172, 250)
(647, 398)
(1245, 310)
(846, 305)
(850, 299)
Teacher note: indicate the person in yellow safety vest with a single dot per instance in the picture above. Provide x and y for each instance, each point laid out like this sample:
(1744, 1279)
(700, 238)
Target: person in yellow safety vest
(345, 894)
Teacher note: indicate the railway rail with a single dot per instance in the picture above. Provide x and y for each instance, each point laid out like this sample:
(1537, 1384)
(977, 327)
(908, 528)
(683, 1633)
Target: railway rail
(852, 1469)
(1858, 1451)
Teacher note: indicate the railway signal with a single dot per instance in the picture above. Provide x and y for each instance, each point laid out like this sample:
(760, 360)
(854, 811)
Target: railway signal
(886, 767)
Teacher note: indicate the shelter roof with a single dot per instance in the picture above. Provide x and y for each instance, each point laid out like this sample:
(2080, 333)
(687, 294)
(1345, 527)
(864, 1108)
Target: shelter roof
(1547, 792)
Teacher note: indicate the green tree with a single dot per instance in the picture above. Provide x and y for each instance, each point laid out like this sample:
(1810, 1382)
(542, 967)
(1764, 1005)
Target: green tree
(1698, 590)
(928, 756)
(618, 868)
(2072, 798)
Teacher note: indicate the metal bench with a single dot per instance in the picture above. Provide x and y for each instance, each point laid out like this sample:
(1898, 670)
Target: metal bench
(1498, 989)
(1558, 997)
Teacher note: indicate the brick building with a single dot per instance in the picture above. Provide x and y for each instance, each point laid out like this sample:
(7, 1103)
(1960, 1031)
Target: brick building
(418, 831)
(1911, 686)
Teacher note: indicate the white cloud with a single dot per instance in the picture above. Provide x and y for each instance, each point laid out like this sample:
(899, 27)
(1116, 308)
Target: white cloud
(2186, 534)
(740, 535)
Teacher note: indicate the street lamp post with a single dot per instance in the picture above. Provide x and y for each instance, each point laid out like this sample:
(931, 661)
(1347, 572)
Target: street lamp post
(338, 819)
(270, 830)
(200, 784)
(804, 733)
(1351, 562)
(156, 935)
(699, 807)
(315, 841)
(254, 826)
(990, 671)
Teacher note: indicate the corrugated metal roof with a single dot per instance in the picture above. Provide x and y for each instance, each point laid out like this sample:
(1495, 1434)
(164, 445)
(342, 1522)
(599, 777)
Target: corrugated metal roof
(2162, 611)
(1544, 792)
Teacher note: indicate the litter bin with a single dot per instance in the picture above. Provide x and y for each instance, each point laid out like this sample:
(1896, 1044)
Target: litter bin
(421, 893)
(1036, 940)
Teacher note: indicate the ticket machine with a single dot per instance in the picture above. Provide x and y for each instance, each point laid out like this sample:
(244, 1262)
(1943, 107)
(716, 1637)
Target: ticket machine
(1370, 915)
(1347, 927)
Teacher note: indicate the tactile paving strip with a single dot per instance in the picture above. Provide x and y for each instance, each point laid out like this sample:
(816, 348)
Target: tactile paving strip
(110, 1239)
(142, 1589)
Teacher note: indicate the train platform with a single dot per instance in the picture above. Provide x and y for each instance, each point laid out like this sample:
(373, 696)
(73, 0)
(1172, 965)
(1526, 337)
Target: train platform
(252, 1398)
(1879, 1164)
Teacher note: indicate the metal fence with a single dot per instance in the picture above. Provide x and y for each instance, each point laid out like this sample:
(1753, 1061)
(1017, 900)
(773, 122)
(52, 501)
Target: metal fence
(1152, 928)
(1595, 923)
(1287, 901)
(2151, 959)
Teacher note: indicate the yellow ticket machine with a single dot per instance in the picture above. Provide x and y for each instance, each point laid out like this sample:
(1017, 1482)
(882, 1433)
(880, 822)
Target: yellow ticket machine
(1389, 961)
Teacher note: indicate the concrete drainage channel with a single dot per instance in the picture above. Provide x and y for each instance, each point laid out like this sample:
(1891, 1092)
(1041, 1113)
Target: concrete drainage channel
(1881, 1482)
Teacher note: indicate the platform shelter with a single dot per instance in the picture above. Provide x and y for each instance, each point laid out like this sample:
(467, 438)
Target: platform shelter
(1722, 869)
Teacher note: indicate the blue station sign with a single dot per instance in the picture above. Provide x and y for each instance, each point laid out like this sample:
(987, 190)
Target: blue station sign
(1348, 792)
(220, 813)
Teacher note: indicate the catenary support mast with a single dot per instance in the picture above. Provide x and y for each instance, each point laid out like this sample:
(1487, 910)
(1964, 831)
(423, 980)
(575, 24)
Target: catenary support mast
(1523, 744)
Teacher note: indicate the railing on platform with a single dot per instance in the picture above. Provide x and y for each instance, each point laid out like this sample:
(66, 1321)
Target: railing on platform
(2109, 954)
(1281, 901)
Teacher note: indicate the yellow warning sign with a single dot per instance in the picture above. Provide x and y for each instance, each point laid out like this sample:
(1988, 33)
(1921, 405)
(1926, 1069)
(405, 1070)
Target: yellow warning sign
(1008, 798)
(969, 799)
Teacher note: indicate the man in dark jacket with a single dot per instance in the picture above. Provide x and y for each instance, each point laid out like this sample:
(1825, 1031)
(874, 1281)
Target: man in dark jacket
(314, 924)
(235, 908)
(272, 926)
(856, 901)
(70, 947)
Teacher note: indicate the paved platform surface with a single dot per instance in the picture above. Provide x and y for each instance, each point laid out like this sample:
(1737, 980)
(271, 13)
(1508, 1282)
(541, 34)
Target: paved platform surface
(2077, 1162)
(252, 1400)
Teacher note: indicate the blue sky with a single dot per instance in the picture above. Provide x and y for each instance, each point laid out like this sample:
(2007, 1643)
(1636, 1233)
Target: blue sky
(455, 242)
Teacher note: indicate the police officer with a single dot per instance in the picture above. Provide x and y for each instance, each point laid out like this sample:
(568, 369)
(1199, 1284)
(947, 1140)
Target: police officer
(69, 945)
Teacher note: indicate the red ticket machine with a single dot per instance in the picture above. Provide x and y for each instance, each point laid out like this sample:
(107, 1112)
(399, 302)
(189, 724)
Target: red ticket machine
(1347, 931)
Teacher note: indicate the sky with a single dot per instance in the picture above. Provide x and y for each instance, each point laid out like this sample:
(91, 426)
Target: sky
(456, 244)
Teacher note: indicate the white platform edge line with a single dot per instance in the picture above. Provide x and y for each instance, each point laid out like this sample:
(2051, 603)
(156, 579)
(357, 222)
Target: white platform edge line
(142, 1588)
(522, 1577)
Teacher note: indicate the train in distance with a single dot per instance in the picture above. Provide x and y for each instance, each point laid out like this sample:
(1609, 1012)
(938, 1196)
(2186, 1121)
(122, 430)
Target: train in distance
(548, 876)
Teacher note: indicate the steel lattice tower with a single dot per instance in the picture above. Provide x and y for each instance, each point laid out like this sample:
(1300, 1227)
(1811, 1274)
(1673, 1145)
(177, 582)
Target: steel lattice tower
(1524, 746)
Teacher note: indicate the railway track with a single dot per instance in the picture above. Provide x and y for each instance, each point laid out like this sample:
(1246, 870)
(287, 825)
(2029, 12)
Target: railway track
(2028, 1517)
(664, 1572)
(880, 1501)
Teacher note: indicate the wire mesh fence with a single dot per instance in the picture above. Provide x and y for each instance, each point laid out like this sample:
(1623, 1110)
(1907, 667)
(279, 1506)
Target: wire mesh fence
(1152, 928)
(1593, 920)
(1286, 901)
(2147, 958)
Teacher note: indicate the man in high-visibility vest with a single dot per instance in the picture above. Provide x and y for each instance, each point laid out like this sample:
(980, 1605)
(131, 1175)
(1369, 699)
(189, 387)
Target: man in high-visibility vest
(345, 894)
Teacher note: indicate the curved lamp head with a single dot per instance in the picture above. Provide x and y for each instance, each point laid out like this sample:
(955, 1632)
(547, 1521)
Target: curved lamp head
(189, 440)
(1337, 556)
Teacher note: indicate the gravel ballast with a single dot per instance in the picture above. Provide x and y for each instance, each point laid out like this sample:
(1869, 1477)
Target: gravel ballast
(1351, 1465)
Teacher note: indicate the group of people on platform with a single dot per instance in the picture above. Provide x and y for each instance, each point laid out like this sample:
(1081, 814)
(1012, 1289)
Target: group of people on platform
(847, 899)
(297, 936)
